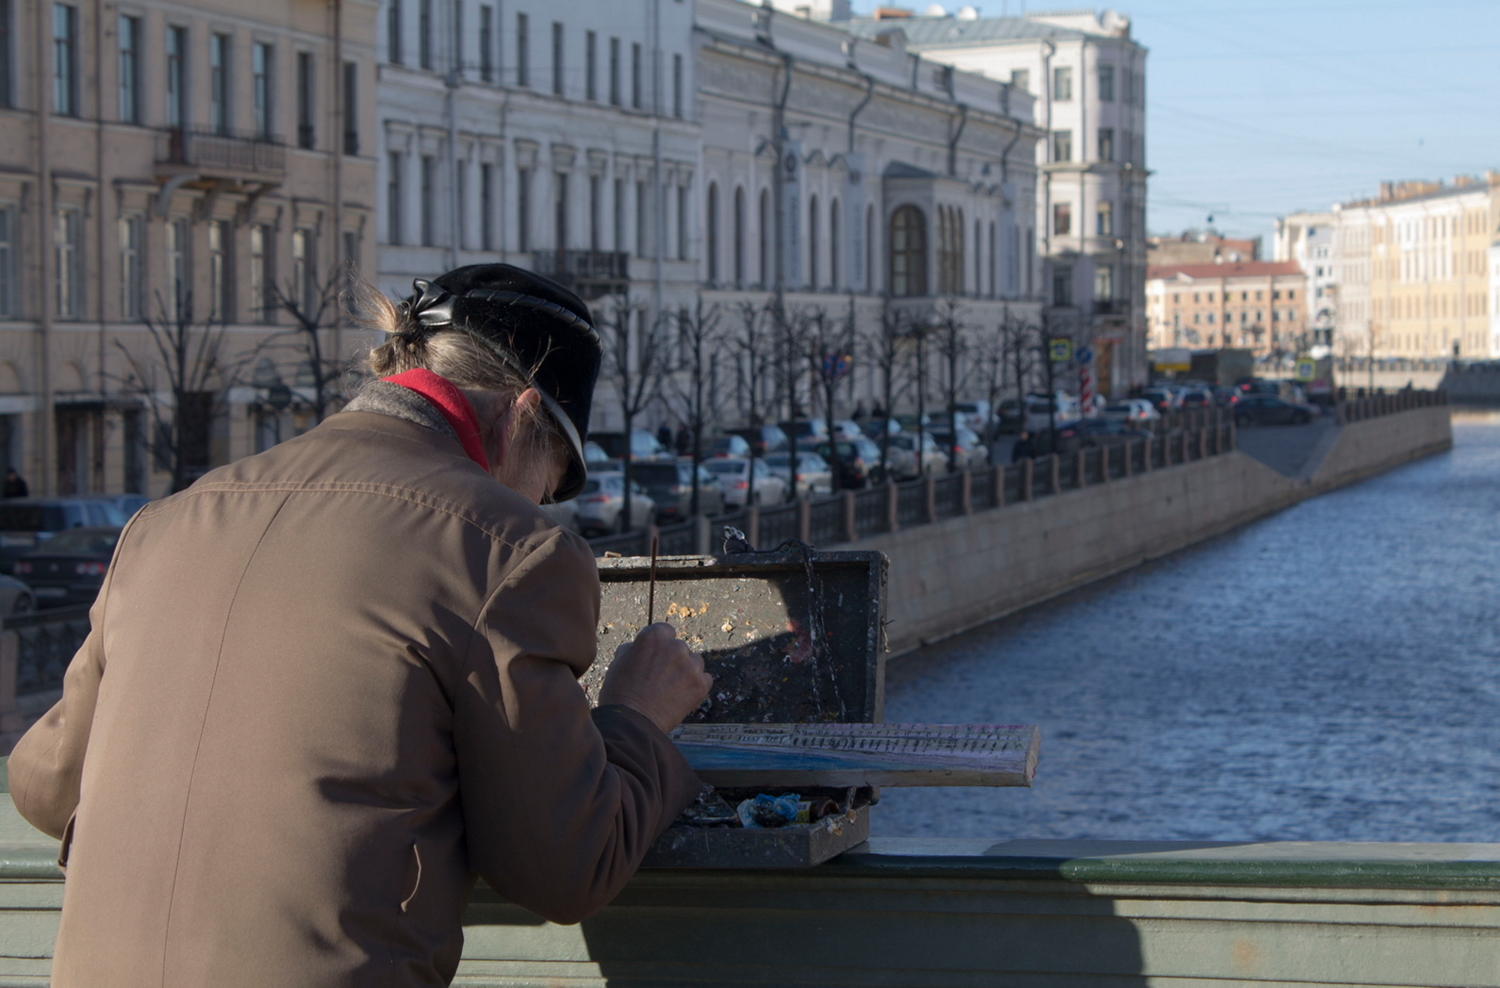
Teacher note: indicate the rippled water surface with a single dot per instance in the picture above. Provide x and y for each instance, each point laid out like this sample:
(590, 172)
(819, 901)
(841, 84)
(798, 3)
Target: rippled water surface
(1330, 673)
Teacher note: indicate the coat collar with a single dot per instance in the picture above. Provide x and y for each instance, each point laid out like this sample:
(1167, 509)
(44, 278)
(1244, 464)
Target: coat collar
(452, 404)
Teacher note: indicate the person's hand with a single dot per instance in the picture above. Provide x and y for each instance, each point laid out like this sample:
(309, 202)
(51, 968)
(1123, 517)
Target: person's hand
(657, 676)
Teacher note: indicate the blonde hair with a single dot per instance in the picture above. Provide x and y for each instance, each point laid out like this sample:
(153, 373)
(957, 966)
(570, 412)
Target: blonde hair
(487, 374)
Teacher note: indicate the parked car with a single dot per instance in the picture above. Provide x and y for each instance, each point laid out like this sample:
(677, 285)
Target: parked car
(69, 568)
(643, 445)
(814, 475)
(1132, 410)
(670, 485)
(875, 427)
(847, 429)
(1102, 432)
(1162, 399)
(730, 445)
(126, 505)
(804, 428)
(975, 415)
(1042, 412)
(27, 522)
(15, 597)
(601, 504)
(856, 463)
(733, 477)
(1010, 415)
(902, 457)
(1226, 396)
(1264, 409)
(594, 453)
(764, 438)
(970, 452)
(1197, 398)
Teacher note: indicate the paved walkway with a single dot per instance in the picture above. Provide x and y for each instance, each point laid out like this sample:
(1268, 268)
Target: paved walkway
(1295, 451)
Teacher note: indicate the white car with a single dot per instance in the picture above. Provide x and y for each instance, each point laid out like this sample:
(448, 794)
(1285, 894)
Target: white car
(1135, 410)
(600, 506)
(902, 457)
(733, 477)
(814, 475)
(1040, 411)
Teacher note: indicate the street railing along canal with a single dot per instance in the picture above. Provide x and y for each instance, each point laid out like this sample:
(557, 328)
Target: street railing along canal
(1182, 436)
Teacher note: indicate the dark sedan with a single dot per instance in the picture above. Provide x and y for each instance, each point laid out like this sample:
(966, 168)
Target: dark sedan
(671, 487)
(69, 568)
(1264, 409)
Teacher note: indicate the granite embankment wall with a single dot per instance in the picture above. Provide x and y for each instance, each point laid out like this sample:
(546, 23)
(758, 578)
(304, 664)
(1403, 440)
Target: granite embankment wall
(961, 572)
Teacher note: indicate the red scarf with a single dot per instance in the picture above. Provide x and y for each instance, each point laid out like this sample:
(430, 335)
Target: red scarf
(454, 405)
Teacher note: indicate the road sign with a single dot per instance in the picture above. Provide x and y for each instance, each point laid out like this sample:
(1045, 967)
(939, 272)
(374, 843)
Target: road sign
(1060, 349)
(1307, 369)
(1085, 355)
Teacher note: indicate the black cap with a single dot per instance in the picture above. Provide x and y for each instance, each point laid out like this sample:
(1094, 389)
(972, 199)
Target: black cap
(543, 327)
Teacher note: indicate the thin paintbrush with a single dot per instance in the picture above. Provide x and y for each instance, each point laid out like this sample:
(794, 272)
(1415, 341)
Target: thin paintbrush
(651, 593)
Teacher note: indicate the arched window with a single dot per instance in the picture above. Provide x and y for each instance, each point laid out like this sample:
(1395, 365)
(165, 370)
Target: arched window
(908, 252)
(812, 243)
(950, 257)
(713, 233)
(833, 244)
(764, 230)
(739, 237)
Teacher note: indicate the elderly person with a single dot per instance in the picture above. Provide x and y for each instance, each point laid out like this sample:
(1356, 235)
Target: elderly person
(330, 684)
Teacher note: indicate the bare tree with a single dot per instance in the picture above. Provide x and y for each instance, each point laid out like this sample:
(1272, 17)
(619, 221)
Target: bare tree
(313, 310)
(952, 344)
(694, 393)
(183, 379)
(829, 348)
(635, 364)
(886, 352)
(753, 365)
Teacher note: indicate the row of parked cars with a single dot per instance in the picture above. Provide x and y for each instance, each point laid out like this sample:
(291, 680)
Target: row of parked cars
(54, 551)
(1252, 401)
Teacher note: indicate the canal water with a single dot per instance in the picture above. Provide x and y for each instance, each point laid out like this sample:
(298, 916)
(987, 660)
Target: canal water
(1329, 673)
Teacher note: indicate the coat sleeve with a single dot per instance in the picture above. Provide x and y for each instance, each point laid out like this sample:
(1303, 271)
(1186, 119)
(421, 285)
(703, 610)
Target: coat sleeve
(46, 768)
(560, 803)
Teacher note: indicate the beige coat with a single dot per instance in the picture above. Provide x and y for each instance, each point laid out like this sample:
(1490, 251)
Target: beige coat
(325, 687)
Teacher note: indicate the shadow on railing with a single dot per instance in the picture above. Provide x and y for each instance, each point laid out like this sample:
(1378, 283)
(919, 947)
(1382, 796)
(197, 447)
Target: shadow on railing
(853, 515)
(1357, 405)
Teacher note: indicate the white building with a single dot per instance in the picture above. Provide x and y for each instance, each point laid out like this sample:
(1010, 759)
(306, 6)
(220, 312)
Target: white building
(523, 132)
(1089, 81)
(903, 186)
(1310, 239)
(1493, 255)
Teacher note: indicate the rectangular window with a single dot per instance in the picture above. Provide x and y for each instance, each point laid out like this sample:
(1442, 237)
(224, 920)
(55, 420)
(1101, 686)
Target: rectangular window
(351, 108)
(461, 194)
(1062, 83)
(560, 225)
(614, 71)
(7, 54)
(590, 67)
(132, 272)
(523, 52)
(304, 270)
(130, 69)
(429, 201)
(1104, 220)
(307, 135)
(9, 302)
(642, 204)
(1107, 83)
(424, 33)
(220, 273)
(456, 32)
(1106, 144)
(393, 201)
(177, 270)
(65, 60)
(486, 43)
(68, 253)
(1104, 283)
(557, 58)
(262, 305)
(1062, 145)
(177, 77)
(1021, 79)
(487, 206)
(682, 223)
(1062, 219)
(619, 216)
(523, 209)
(393, 28)
(635, 74)
(260, 68)
(1062, 287)
(677, 86)
(218, 74)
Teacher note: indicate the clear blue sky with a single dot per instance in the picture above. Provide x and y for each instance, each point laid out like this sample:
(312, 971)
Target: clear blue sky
(1258, 109)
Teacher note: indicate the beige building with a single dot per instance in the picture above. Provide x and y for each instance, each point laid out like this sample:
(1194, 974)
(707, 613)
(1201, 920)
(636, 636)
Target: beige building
(1200, 247)
(1252, 305)
(170, 173)
(1413, 278)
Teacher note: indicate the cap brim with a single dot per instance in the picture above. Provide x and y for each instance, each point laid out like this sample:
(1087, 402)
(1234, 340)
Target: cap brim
(577, 472)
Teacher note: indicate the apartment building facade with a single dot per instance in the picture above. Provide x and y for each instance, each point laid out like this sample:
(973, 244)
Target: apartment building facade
(1251, 305)
(521, 132)
(841, 189)
(1088, 77)
(173, 174)
(1310, 240)
(1413, 277)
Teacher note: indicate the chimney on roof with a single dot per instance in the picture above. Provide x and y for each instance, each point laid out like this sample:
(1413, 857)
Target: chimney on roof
(1387, 191)
(891, 13)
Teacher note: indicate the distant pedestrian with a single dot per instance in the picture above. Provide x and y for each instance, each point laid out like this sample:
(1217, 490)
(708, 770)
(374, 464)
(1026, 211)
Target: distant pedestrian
(684, 441)
(664, 436)
(859, 412)
(1022, 450)
(15, 484)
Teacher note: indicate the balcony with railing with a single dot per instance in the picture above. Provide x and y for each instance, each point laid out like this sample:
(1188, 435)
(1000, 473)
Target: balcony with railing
(222, 154)
(590, 273)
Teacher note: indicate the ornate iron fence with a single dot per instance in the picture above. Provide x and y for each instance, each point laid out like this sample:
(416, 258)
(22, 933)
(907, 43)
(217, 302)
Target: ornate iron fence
(47, 641)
